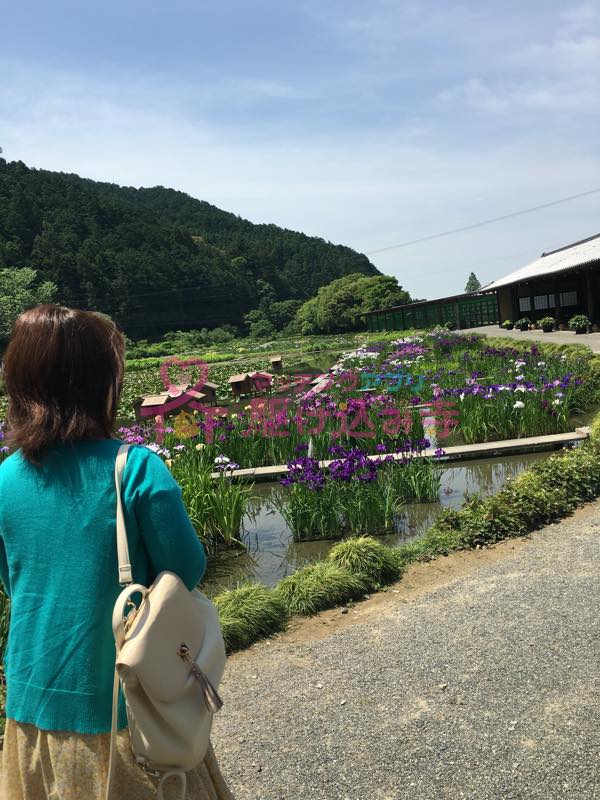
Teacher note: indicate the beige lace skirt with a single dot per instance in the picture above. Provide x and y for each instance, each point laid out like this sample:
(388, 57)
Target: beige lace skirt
(56, 765)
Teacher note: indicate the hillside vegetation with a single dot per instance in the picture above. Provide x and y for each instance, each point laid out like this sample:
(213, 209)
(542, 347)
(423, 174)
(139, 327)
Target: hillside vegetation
(156, 259)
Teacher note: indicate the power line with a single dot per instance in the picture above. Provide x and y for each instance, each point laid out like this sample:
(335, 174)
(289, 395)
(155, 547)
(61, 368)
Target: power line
(478, 264)
(483, 222)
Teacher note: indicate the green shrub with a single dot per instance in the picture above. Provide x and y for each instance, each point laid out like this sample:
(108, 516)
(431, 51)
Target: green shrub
(523, 323)
(579, 322)
(575, 474)
(595, 432)
(248, 613)
(508, 325)
(547, 322)
(444, 535)
(365, 556)
(319, 586)
(521, 506)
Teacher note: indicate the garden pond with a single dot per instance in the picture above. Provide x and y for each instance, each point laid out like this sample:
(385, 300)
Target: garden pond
(270, 551)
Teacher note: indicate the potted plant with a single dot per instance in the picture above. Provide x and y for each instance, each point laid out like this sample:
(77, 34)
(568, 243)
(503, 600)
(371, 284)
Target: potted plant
(523, 324)
(547, 324)
(507, 325)
(579, 323)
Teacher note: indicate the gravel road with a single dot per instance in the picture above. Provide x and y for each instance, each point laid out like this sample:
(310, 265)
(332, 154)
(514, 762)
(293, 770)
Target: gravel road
(483, 686)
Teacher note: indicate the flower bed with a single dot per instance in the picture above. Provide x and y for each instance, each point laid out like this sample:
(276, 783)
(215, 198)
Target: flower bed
(442, 385)
(356, 494)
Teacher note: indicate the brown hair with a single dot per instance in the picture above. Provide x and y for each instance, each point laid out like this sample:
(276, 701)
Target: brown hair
(61, 368)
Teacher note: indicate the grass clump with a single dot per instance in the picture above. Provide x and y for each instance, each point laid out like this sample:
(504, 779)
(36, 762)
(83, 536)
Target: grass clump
(248, 613)
(365, 556)
(216, 506)
(319, 586)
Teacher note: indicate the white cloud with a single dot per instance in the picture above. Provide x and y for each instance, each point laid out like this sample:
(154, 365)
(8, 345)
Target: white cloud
(511, 98)
(579, 55)
(580, 18)
(475, 93)
(560, 73)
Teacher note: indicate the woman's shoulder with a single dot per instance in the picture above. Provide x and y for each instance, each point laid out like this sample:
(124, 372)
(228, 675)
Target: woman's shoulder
(145, 466)
(14, 477)
(98, 449)
(11, 464)
(142, 453)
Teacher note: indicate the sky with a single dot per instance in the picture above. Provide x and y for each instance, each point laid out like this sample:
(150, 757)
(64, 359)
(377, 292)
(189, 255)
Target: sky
(368, 123)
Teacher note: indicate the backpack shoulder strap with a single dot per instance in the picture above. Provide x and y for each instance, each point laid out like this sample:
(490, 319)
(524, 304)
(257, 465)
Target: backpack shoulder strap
(125, 574)
(125, 577)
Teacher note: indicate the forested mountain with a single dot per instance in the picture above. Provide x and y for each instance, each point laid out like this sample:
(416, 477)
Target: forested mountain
(155, 259)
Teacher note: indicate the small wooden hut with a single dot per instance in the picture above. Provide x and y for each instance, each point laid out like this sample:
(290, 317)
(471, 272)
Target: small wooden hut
(240, 384)
(157, 405)
(276, 364)
(210, 392)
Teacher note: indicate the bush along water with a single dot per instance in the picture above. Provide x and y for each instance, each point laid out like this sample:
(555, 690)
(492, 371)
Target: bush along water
(356, 493)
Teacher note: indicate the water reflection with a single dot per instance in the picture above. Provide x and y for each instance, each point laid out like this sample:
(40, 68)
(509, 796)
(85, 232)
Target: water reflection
(271, 552)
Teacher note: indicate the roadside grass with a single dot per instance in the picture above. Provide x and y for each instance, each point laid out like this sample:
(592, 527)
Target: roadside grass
(319, 586)
(248, 613)
(367, 557)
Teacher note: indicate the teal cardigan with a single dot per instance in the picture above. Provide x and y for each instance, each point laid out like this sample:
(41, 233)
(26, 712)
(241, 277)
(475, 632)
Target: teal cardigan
(58, 564)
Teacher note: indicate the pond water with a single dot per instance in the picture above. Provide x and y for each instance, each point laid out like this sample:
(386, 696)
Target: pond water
(271, 552)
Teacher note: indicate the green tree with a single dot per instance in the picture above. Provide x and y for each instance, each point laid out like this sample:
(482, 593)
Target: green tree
(262, 329)
(472, 283)
(339, 306)
(280, 314)
(271, 316)
(221, 335)
(18, 292)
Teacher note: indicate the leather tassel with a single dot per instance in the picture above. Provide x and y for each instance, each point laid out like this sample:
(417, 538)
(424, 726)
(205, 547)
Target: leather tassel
(211, 696)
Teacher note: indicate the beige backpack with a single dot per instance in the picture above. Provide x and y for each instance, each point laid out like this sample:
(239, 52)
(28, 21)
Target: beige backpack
(170, 657)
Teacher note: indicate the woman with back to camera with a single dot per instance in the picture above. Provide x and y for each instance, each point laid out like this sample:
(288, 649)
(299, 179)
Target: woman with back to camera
(63, 373)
